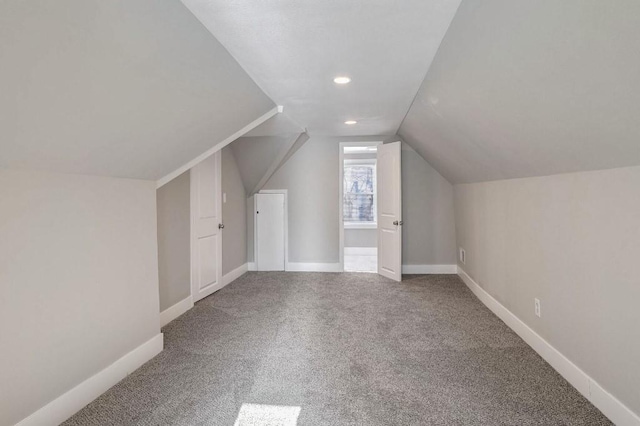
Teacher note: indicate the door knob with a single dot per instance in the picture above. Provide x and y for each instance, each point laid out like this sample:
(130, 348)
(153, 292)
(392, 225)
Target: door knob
(396, 222)
(220, 226)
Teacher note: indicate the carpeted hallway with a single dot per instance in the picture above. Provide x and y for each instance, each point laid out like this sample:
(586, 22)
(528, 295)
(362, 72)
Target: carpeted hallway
(342, 349)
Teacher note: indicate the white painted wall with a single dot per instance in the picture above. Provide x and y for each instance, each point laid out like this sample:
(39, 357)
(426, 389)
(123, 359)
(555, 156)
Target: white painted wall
(174, 236)
(234, 214)
(312, 178)
(361, 238)
(78, 281)
(429, 232)
(572, 241)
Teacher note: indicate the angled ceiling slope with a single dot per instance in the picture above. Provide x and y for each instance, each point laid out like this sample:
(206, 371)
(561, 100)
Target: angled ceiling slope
(279, 125)
(294, 49)
(115, 88)
(523, 89)
(259, 157)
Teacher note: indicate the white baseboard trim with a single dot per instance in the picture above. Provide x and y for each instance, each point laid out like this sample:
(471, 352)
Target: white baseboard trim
(69, 403)
(360, 251)
(175, 311)
(429, 269)
(252, 266)
(611, 407)
(314, 267)
(231, 276)
(223, 282)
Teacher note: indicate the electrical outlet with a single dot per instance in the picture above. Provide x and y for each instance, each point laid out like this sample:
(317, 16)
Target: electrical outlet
(462, 256)
(537, 307)
(224, 197)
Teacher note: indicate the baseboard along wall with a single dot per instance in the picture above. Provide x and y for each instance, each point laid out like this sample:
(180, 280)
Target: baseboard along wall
(231, 276)
(610, 406)
(175, 311)
(185, 304)
(69, 403)
(429, 269)
(335, 267)
(305, 267)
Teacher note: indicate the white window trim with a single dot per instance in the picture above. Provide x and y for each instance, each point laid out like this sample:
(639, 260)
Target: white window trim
(360, 225)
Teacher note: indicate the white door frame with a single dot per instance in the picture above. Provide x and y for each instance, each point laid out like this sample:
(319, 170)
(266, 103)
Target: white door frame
(286, 225)
(341, 192)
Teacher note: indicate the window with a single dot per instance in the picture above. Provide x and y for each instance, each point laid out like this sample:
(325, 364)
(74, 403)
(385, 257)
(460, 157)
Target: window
(359, 193)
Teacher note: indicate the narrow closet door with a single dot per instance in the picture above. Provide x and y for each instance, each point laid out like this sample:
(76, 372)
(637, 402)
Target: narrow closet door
(270, 232)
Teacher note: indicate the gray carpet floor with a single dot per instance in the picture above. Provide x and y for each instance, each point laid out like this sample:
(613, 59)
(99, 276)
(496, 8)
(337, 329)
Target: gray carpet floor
(342, 349)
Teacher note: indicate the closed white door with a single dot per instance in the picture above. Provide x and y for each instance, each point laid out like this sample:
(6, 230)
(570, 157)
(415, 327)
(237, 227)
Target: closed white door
(206, 224)
(389, 177)
(270, 243)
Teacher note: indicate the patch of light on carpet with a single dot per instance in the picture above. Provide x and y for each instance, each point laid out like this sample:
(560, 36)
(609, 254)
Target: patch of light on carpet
(267, 415)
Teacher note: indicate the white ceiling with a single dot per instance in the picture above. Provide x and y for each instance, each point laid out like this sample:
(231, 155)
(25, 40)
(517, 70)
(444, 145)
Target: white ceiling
(534, 88)
(115, 88)
(294, 49)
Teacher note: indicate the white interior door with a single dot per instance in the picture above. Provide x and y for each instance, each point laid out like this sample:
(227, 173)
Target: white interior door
(389, 177)
(270, 235)
(206, 221)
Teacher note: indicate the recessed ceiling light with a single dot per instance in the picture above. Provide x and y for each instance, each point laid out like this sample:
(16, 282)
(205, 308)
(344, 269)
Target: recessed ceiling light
(341, 80)
(350, 122)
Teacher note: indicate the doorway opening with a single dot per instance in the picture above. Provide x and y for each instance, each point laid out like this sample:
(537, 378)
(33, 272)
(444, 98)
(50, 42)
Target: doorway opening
(358, 206)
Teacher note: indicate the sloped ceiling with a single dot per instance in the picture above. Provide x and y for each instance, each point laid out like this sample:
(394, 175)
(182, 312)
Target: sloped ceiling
(534, 88)
(278, 125)
(255, 155)
(116, 88)
(294, 49)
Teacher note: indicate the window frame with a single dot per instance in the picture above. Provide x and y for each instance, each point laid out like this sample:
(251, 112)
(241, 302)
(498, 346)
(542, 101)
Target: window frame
(369, 162)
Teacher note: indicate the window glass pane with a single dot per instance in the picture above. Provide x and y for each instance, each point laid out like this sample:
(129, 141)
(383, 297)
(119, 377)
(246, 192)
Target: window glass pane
(358, 179)
(358, 202)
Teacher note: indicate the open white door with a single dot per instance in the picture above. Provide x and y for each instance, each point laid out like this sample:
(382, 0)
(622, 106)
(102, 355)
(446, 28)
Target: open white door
(206, 225)
(389, 179)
